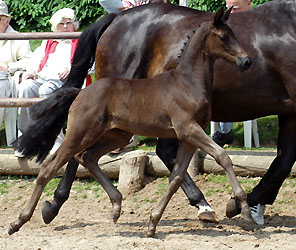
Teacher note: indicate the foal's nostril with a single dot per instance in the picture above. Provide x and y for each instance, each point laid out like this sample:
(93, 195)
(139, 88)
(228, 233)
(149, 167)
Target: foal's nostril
(247, 61)
(244, 63)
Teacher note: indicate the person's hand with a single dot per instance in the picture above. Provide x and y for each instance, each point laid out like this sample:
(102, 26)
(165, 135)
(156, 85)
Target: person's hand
(29, 75)
(125, 8)
(64, 75)
(4, 69)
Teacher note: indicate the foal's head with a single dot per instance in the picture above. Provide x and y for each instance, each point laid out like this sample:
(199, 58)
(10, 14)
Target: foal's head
(221, 42)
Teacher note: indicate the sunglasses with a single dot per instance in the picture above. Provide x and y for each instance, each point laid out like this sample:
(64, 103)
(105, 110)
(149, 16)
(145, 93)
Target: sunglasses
(4, 18)
(66, 23)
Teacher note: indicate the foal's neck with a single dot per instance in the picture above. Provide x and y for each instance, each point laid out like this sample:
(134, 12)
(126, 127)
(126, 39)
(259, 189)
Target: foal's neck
(195, 61)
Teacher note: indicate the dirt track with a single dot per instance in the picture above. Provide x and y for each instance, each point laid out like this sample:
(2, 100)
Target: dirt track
(83, 222)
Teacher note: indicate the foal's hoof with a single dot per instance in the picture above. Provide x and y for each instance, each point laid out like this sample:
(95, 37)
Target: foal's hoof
(247, 216)
(114, 218)
(232, 208)
(208, 217)
(47, 213)
(12, 230)
(151, 233)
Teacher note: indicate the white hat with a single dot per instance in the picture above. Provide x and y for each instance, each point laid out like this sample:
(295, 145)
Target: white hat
(58, 16)
(3, 9)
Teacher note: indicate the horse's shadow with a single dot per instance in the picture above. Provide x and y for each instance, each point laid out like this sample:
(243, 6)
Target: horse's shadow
(75, 226)
(186, 227)
(180, 226)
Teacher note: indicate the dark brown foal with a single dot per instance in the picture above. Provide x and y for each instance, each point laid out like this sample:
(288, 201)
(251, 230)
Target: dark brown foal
(175, 104)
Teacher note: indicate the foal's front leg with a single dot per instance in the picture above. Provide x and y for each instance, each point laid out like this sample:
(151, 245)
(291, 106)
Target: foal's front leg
(197, 136)
(184, 155)
(166, 150)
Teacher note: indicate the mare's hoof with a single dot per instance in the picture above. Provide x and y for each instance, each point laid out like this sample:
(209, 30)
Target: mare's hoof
(232, 208)
(208, 217)
(12, 230)
(47, 213)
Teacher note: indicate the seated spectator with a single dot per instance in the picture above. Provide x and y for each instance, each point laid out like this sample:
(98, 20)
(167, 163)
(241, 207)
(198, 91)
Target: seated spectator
(49, 68)
(15, 55)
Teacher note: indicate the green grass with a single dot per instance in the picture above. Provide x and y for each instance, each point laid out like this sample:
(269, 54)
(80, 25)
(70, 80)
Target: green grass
(267, 130)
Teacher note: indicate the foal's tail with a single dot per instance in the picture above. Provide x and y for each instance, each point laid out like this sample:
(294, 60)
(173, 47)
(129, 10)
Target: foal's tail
(50, 114)
(40, 136)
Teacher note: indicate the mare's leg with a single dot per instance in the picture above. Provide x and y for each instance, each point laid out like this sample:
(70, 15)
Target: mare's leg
(184, 155)
(166, 150)
(90, 157)
(51, 209)
(267, 189)
(48, 170)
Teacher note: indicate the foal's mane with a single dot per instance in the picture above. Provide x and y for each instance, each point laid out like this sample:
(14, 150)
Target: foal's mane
(189, 36)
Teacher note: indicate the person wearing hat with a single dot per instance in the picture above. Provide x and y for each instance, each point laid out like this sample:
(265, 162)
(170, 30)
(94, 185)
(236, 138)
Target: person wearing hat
(49, 68)
(15, 55)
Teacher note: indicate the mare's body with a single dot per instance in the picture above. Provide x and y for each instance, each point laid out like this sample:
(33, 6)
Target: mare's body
(175, 104)
(148, 41)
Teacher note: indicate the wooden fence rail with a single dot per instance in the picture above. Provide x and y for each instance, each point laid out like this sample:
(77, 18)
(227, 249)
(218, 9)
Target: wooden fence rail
(27, 102)
(18, 102)
(39, 35)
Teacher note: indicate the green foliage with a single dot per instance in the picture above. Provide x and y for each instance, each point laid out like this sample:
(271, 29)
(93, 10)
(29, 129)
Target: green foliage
(214, 5)
(34, 15)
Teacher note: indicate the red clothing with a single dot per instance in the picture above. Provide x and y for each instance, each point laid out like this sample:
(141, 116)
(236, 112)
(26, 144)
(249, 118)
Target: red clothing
(50, 48)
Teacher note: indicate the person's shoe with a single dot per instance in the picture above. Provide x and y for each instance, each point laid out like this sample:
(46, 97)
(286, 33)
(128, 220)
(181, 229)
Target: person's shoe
(257, 213)
(222, 139)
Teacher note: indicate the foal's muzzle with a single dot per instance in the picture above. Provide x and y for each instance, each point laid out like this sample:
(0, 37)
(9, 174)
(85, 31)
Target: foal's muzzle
(244, 63)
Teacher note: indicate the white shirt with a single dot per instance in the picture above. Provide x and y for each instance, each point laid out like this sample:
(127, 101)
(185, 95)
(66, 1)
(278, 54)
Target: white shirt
(57, 61)
(15, 54)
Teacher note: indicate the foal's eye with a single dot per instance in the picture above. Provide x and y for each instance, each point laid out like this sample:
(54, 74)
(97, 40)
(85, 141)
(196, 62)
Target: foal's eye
(224, 38)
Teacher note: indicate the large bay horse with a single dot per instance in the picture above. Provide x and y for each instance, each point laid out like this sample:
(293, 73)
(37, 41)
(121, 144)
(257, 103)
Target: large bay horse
(146, 40)
(175, 104)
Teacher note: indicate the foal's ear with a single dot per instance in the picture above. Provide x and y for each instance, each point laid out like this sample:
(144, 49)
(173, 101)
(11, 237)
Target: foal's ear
(218, 16)
(226, 14)
(221, 16)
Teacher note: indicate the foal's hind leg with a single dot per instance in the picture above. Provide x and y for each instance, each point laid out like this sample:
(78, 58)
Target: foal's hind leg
(166, 150)
(89, 159)
(184, 155)
(47, 171)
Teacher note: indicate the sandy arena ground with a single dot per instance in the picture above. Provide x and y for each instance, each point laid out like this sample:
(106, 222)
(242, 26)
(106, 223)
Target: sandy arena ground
(84, 222)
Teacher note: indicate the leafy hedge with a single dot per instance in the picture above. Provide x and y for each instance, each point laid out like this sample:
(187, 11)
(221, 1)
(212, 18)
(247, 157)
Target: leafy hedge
(213, 5)
(34, 15)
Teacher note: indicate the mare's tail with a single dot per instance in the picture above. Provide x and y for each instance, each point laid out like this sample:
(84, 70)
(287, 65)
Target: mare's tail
(50, 114)
(39, 138)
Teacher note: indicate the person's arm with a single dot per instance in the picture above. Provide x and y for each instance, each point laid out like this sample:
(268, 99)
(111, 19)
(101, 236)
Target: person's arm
(23, 56)
(35, 60)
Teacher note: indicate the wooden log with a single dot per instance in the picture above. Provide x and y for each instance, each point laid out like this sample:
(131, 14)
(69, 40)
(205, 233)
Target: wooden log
(131, 174)
(246, 163)
(18, 102)
(11, 165)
